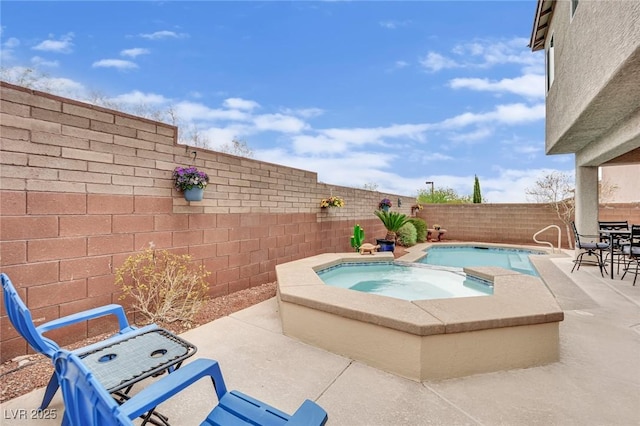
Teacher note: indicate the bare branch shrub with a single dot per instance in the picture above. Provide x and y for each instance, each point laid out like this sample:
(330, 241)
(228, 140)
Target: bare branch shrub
(556, 190)
(165, 287)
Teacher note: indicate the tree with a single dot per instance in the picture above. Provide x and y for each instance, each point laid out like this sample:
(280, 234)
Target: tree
(441, 196)
(477, 197)
(556, 189)
(237, 147)
(370, 186)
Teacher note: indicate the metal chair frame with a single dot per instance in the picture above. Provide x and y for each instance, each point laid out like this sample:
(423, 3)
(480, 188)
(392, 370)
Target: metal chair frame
(632, 251)
(591, 248)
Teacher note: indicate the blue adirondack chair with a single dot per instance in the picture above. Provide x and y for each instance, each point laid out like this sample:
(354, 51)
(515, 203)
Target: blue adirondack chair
(88, 403)
(21, 319)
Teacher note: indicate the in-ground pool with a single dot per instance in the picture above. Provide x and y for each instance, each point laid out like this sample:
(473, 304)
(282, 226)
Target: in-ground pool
(466, 256)
(404, 281)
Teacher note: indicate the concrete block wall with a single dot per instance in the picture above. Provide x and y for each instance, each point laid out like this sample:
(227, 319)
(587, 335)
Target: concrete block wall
(512, 223)
(83, 187)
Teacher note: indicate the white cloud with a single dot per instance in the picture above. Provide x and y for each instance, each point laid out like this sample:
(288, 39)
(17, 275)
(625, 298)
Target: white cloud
(511, 114)
(192, 111)
(436, 62)
(11, 43)
(37, 61)
(114, 63)
(220, 136)
(139, 98)
(303, 112)
(473, 136)
(134, 52)
(239, 103)
(487, 53)
(279, 123)
(529, 85)
(159, 35)
(64, 45)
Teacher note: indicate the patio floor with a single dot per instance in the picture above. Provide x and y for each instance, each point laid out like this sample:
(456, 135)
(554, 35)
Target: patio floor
(596, 381)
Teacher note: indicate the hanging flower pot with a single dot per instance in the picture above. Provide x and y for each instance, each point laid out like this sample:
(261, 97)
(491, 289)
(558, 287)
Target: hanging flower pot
(191, 182)
(384, 204)
(193, 194)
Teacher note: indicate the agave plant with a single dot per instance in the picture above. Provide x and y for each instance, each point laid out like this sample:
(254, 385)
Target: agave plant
(392, 221)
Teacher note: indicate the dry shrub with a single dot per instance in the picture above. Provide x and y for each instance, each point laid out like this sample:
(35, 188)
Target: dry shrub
(165, 287)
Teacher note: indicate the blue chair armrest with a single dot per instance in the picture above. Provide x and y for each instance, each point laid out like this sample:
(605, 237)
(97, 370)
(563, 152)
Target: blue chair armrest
(309, 413)
(101, 311)
(154, 394)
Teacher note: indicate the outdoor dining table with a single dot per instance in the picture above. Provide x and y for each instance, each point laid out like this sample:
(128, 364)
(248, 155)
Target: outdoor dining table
(120, 365)
(612, 234)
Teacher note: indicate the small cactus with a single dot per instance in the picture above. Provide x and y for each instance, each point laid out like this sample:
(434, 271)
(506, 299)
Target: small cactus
(357, 238)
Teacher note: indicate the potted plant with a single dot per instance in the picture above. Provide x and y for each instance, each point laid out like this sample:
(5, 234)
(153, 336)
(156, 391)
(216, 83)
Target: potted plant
(392, 221)
(384, 204)
(331, 202)
(416, 208)
(191, 182)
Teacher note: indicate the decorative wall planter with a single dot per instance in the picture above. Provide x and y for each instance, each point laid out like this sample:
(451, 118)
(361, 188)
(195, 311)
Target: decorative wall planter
(193, 194)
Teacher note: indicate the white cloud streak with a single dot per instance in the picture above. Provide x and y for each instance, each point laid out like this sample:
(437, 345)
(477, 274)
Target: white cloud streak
(115, 63)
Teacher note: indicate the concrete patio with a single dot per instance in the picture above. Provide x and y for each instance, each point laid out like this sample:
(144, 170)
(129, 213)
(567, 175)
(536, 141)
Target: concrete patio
(596, 381)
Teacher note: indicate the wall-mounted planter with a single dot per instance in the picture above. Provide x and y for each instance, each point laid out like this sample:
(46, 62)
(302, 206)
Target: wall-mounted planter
(193, 194)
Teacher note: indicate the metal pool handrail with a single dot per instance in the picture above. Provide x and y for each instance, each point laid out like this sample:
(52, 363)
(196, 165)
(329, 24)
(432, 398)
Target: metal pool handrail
(547, 242)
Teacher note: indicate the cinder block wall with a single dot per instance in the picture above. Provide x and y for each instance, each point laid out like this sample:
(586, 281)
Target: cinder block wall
(83, 187)
(512, 223)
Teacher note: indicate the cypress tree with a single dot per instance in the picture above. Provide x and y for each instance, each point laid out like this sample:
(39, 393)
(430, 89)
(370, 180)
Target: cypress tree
(477, 197)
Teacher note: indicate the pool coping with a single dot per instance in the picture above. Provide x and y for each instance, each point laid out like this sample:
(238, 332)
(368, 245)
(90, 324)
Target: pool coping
(517, 299)
(516, 327)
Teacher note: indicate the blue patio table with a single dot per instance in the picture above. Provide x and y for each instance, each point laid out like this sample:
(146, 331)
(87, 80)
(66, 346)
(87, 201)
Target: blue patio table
(612, 234)
(121, 365)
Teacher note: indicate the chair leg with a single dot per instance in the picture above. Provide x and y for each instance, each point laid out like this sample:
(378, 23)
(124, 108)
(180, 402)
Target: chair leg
(50, 391)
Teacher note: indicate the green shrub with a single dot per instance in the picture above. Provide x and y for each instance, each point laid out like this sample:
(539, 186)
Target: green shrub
(421, 228)
(407, 235)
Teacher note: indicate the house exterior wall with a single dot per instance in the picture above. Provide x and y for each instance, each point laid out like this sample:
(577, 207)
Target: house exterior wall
(624, 181)
(594, 94)
(82, 188)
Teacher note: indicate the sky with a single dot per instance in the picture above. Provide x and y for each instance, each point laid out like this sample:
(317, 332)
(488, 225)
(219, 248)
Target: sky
(384, 94)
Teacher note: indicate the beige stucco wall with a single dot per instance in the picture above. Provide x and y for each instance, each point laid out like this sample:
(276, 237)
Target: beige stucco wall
(624, 182)
(595, 91)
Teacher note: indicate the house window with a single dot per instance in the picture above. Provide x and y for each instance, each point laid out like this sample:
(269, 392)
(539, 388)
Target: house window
(550, 64)
(574, 6)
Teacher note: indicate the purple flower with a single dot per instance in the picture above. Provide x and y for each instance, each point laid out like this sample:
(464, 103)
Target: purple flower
(189, 177)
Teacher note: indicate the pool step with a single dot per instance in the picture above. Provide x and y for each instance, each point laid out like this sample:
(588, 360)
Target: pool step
(520, 262)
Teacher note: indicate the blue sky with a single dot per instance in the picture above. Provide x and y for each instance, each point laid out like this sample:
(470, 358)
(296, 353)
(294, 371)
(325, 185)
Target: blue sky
(386, 93)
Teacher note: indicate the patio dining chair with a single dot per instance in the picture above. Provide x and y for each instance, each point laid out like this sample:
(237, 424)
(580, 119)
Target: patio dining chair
(88, 403)
(590, 248)
(21, 319)
(632, 251)
(618, 243)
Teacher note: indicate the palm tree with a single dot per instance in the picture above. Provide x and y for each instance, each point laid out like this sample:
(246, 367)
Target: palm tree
(392, 221)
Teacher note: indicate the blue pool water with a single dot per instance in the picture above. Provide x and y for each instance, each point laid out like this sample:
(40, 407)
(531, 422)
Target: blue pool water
(405, 282)
(462, 256)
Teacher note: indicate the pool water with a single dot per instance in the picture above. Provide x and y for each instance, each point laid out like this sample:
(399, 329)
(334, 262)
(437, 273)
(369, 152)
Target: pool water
(463, 256)
(404, 281)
